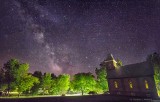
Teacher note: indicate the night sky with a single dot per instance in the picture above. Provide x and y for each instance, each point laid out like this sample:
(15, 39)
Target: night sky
(71, 36)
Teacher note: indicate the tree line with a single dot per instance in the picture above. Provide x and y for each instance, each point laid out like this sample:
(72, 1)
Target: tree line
(14, 76)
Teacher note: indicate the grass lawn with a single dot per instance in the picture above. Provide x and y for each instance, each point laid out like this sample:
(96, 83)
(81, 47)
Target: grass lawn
(89, 98)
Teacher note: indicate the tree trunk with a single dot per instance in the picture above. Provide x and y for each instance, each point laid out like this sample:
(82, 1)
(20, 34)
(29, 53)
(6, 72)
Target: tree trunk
(8, 93)
(82, 92)
(43, 91)
(18, 94)
(8, 89)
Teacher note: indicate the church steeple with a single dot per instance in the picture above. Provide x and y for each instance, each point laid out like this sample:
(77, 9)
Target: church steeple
(110, 57)
(109, 62)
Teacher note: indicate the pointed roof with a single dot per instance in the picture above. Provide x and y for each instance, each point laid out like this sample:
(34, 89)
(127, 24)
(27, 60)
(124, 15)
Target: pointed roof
(109, 57)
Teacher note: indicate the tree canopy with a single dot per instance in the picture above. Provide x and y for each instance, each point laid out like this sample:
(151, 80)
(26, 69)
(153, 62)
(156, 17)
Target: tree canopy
(60, 85)
(17, 75)
(23, 80)
(9, 68)
(46, 82)
(102, 83)
(83, 82)
(34, 90)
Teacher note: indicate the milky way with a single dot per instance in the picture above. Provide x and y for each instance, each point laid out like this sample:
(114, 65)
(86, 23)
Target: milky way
(71, 36)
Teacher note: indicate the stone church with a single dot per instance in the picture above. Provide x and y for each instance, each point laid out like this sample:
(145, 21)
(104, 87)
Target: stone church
(132, 80)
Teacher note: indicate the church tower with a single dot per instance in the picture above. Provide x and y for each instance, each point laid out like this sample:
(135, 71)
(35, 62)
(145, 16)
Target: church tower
(109, 63)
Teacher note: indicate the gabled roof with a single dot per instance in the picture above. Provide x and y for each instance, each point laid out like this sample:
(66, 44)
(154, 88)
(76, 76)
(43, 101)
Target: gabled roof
(132, 70)
(109, 57)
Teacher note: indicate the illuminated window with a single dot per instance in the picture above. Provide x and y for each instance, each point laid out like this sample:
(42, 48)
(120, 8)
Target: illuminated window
(146, 84)
(130, 85)
(115, 84)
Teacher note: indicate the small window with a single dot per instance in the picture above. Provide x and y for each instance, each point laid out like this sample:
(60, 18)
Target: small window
(115, 84)
(130, 84)
(146, 84)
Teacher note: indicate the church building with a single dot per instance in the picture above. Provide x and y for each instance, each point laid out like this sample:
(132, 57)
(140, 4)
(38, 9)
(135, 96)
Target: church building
(132, 80)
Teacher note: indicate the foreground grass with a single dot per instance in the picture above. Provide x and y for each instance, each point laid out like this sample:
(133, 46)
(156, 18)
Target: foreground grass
(36, 96)
(85, 98)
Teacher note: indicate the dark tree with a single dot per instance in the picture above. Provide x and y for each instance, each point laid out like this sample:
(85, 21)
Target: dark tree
(2, 79)
(37, 86)
(53, 76)
(9, 68)
(37, 74)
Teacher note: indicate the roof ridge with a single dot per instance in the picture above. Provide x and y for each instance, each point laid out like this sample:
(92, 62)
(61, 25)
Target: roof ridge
(134, 64)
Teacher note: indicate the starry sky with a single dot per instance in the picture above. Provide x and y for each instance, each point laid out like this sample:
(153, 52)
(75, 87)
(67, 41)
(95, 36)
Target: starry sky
(71, 36)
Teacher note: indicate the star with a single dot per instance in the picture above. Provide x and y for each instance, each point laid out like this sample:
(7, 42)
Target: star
(53, 36)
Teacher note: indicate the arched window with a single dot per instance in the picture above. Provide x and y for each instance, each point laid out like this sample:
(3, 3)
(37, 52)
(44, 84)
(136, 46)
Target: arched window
(146, 84)
(115, 84)
(130, 84)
